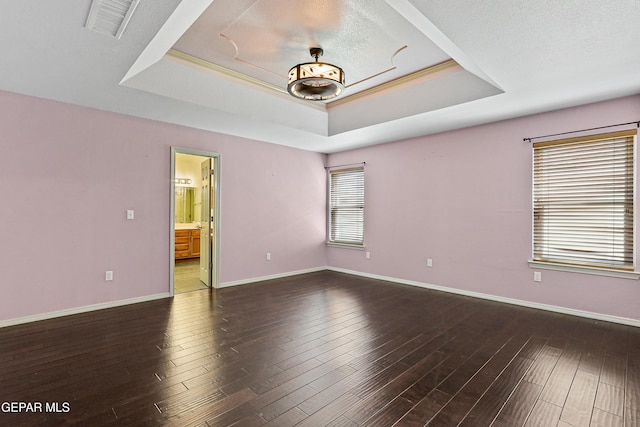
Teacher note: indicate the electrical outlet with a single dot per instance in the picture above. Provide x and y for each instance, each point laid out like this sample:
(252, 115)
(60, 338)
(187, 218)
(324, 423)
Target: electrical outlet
(130, 214)
(429, 262)
(268, 256)
(367, 255)
(537, 276)
(108, 276)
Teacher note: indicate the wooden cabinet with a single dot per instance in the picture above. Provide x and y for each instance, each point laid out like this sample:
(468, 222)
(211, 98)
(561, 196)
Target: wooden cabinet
(187, 244)
(195, 243)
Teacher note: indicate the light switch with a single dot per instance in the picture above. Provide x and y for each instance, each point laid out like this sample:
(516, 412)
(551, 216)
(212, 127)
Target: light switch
(130, 214)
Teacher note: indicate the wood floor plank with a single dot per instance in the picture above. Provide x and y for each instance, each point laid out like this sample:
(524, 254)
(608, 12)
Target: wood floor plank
(239, 415)
(283, 377)
(543, 366)
(290, 418)
(631, 418)
(375, 401)
(483, 374)
(519, 405)
(544, 414)
(322, 349)
(602, 418)
(390, 414)
(286, 403)
(211, 411)
(580, 400)
(489, 405)
(557, 387)
(632, 389)
(331, 412)
(332, 378)
(425, 409)
(614, 370)
(342, 422)
(610, 399)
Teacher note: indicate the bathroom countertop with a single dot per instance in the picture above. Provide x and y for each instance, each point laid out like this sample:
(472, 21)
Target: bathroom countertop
(186, 226)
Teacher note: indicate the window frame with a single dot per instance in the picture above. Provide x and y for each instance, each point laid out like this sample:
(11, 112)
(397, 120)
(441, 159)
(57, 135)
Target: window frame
(608, 269)
(331, 241)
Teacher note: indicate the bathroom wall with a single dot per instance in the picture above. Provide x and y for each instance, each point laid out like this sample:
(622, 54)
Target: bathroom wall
(188, 166)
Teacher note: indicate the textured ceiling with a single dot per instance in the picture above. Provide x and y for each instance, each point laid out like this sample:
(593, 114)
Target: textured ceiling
(413, 67)
(265, 38)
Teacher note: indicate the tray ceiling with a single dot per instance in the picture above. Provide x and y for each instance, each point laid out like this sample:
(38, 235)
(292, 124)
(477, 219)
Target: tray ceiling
(233, 46)
(263, 39)
(412, 67)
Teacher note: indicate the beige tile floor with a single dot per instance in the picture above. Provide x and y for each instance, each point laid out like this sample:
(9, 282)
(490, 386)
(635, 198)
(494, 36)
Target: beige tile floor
(187, 276)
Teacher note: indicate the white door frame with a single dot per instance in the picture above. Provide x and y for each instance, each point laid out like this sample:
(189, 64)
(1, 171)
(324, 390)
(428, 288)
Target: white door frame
(215, 277)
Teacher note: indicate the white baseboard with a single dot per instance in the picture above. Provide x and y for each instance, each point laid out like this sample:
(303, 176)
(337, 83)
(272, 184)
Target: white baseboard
(529, 304)
(87, 308)
(83, 309)
(539, 306)
(274, 276)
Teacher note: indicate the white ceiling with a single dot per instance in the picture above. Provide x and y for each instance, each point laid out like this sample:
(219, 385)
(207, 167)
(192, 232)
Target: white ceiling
(412, 67)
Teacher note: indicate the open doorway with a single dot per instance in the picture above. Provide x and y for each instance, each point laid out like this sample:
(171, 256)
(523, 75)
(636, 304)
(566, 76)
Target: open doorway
(195, 190)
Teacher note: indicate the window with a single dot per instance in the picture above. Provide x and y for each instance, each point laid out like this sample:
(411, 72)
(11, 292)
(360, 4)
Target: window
(583, 210)
(346, 206)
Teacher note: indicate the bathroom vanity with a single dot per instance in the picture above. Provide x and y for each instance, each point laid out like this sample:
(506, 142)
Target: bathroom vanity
(187, 243)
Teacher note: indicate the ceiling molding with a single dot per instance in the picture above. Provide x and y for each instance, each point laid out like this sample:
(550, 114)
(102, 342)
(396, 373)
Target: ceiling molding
(223, 70)
(446, 66)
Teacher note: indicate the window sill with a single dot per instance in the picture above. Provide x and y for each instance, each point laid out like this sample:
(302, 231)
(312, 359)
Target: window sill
(346, 246)
(586, 270)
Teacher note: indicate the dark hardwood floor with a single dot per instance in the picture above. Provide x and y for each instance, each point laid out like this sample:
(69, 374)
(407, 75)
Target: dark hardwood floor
(322, 349)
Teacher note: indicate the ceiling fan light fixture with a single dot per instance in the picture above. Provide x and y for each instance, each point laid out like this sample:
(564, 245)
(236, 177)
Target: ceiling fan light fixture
(316, 81)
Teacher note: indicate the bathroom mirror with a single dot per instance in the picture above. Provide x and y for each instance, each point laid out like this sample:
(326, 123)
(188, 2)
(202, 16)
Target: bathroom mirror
(185, 204)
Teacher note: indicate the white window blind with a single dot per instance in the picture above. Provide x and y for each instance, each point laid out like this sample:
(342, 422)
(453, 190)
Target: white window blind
(346, 206)
(583, 201)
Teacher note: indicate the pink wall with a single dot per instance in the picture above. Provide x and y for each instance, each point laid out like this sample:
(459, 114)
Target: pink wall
(68, 174)
(463, 198)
